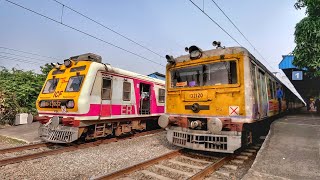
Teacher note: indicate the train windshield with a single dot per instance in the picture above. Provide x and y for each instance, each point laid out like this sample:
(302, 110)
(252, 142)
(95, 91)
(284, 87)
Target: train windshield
(74, 84)
(217, 73)
(50, 86)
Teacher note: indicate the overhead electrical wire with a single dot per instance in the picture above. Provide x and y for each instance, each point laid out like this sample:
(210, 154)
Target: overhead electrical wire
(106, 27)
(215, 22)
(40, 60)
(234, 25)
(50, 57)
(85, 33)
(19, 60)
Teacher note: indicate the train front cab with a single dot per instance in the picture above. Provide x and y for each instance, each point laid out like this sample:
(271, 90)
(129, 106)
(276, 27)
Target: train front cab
(205, 105)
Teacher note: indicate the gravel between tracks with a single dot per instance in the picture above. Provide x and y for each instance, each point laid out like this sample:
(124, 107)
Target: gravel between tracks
(85, 163)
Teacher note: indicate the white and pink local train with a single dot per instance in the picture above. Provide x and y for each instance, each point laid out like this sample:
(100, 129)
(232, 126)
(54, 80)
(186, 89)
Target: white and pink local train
(84, 98)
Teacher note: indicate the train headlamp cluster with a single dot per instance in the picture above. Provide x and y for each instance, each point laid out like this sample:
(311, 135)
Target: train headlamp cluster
(194, 51)
(42, 104)
(70, 104)
(67, 63)
(170, 59)
(57, 103)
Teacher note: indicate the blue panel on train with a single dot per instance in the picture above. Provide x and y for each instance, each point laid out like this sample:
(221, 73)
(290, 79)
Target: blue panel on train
(297, 75)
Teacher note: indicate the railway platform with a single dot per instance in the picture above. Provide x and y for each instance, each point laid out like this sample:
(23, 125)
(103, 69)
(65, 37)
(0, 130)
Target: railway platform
(291, 149)
(27, 133)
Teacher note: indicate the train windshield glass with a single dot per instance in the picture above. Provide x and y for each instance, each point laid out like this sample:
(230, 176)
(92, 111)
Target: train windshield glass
(74, 84)
(217, 73)
(50, 86)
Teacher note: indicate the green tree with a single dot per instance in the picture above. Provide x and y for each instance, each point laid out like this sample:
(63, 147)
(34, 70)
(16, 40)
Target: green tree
(19, 91)
(307, 37)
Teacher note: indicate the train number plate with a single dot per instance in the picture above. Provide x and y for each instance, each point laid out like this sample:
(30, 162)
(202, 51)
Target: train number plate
(196, 96)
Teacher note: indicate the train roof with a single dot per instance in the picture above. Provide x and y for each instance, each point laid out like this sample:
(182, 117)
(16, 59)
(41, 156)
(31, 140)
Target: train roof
(129, 73)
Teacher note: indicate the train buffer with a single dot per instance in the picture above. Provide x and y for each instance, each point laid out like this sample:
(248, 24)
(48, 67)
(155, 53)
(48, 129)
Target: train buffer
(291, 149)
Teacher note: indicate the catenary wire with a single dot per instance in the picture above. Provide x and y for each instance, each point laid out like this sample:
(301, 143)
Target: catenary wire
(85, 33)
(254, 48)
(106, 27)
(29, 53)
(19, 60)
(40, 60)
(215, 23)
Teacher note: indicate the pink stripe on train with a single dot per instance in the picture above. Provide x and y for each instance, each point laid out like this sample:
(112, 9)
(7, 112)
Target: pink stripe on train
(106, 110)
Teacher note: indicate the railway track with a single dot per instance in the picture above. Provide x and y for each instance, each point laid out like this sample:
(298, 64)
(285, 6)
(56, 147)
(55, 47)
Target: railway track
(60, 149)
(185, 164)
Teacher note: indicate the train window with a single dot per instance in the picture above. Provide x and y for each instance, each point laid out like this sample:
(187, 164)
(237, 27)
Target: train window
(106, 89)
(58, 71)
(50, 86)
(162, 93)
(74, 84)
(126, 91)
(80, 68)
(205, 75)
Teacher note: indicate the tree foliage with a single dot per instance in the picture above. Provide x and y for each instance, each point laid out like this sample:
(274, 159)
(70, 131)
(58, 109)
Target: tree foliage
(19, 91)
(307, 37)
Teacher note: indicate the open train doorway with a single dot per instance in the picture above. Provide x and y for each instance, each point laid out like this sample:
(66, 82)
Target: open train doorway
(144, 99)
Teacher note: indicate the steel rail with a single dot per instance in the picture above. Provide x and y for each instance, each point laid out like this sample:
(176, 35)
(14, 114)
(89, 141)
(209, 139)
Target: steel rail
(73, 147)
(211, 168)
(136, 167)
(25, 147)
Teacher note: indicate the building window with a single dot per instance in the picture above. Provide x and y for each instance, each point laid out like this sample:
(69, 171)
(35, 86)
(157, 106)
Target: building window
(126, 91)
(106, 89)
(162, 93)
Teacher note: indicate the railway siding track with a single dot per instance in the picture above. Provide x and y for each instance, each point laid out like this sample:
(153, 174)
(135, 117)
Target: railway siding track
(60, 149)
(184, 164)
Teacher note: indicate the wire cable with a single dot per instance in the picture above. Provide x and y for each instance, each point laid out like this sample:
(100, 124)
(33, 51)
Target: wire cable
(40, 60)
(30, 53)
(19, 60)
(106, 27)
(85, 33)
(215, 23)
(254, 48)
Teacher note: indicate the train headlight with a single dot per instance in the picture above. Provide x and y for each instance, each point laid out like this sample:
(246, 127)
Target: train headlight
(194, 51)
(214, 125)
(67, 63)
(42, 104)
(70, 104)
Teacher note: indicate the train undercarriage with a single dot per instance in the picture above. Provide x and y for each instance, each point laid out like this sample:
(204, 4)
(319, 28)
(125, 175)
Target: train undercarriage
(53, 130)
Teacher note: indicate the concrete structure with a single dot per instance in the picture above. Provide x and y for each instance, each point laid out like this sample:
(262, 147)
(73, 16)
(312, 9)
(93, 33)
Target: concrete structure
(307, 87)
(27, 133)
(158, 75)
(291, 150)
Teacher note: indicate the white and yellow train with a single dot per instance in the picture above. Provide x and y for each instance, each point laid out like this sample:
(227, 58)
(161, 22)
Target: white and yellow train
(217, 100)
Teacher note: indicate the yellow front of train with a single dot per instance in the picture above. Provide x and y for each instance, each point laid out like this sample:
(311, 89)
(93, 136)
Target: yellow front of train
(58, 103)
(205, 100)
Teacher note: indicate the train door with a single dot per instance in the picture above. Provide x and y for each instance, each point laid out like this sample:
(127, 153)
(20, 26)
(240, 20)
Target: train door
(106, 94)
(145, 99)
(255, 108)
(263, 100)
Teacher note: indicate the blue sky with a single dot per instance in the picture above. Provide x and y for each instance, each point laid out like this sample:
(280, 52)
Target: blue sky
(164, 26)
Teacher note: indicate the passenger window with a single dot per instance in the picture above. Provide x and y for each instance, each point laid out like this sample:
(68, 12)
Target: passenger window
(126, 91)
(74, 84)
(106, 89)
(162, 93)
(50, 86)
